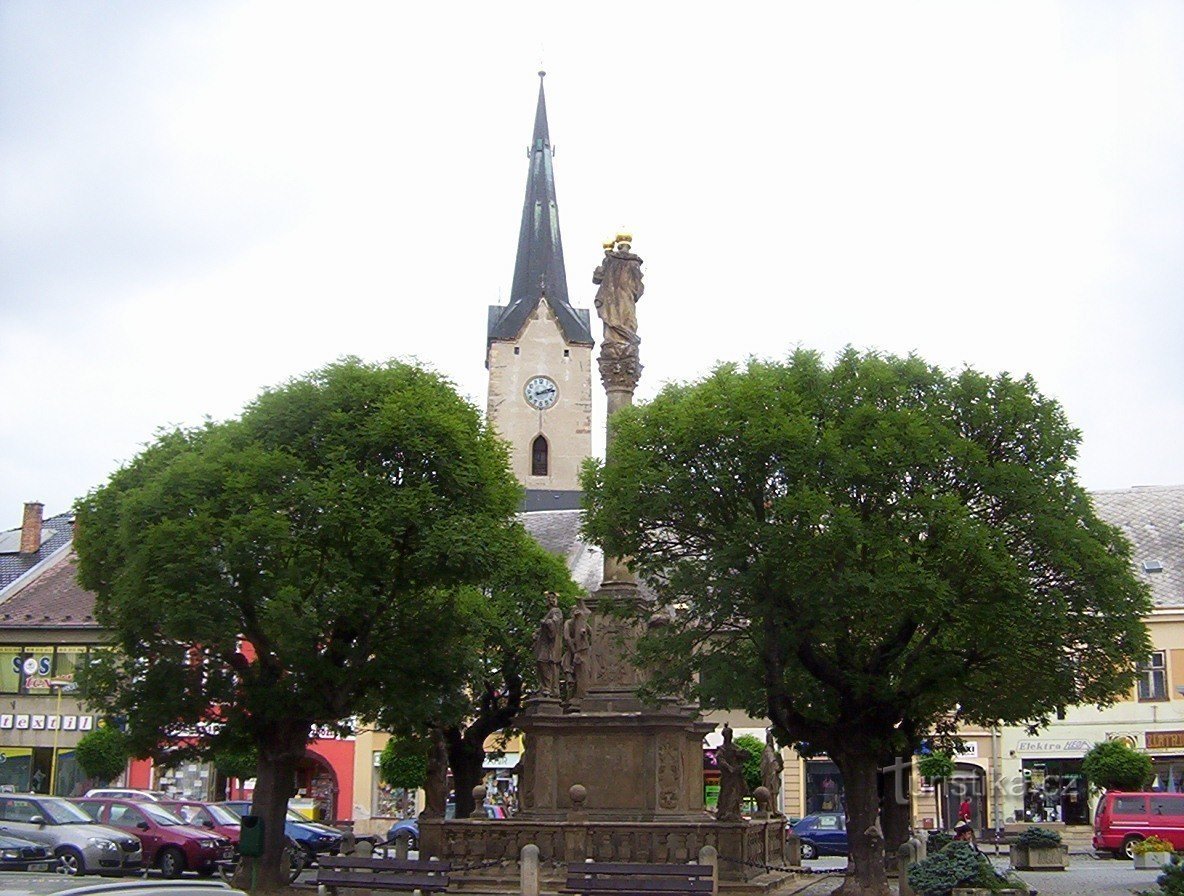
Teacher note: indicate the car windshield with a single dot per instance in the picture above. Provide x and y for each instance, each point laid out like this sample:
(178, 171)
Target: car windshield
(57, 811)
(221, 815)
(160, 815)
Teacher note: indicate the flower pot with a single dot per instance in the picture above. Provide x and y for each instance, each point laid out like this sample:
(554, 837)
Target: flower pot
(1046, 858)
(1152, 860)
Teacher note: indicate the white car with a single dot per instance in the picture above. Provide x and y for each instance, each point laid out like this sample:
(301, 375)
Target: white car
(129, 793)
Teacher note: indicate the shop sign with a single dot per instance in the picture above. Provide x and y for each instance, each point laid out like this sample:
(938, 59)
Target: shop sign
(969, 749)
(506, 760)
(1073, 745)
(1164, 740)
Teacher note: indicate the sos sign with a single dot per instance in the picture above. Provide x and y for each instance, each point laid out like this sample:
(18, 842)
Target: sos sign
(31, 665)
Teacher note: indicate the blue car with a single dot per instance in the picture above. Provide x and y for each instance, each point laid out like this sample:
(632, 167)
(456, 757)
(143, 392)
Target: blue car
(313, 838)
(824, 834)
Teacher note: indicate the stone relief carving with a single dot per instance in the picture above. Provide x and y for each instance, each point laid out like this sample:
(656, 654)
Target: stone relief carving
(669, 772)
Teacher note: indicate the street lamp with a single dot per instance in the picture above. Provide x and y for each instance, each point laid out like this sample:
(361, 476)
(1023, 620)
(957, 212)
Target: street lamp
(62, 685)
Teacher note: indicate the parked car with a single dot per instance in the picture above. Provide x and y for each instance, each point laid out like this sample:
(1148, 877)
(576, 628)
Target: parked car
(19, 854)
(128, 793)
(409, 827)
(210, 816)
(80, 843)
(154, 888)
(823, 834)
(314, 838)
(1123, 819)
(169, 843)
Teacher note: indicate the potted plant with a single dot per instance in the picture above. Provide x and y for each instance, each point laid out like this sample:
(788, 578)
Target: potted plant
(960, 870)
(1152, 852)
(1039, 849)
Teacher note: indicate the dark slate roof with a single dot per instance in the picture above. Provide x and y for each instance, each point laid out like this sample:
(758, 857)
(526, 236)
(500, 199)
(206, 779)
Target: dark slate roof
(559, 532)
(1152, 517)
(14, 566)
(52, 599)
(539, 269)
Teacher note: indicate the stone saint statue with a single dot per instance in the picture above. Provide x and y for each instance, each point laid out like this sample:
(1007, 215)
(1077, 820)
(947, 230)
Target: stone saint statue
(771, 767)
(619, 279)
(548, 647)
(577, 656)
(730, 760)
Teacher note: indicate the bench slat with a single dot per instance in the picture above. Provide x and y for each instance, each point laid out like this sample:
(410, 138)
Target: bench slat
(376, 880)
(383, 864)
(654, 870)
(649, 884)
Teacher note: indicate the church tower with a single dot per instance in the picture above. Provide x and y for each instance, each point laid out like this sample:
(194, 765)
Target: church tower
(539, 349)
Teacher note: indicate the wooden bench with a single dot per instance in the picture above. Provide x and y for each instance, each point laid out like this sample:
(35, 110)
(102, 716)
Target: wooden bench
(381, 874)
(634, 879)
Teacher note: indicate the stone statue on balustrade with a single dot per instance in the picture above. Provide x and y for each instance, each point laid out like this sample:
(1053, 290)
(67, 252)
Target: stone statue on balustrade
(772, 765)
(729, 758)
(548, 648)
(577, 656)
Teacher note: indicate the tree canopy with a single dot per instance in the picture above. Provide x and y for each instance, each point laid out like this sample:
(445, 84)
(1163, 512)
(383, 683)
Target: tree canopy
(303, 564)
(1112, 765)
(495, 663)
(868, 551)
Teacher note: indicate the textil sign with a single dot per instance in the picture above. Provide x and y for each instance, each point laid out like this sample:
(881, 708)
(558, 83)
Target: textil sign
(1164, 740)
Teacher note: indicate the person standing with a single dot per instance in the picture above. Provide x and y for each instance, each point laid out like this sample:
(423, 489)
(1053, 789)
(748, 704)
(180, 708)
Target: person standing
(964, 808)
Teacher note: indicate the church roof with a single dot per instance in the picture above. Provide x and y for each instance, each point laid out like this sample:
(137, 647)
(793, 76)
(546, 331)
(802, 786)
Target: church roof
(539, 269)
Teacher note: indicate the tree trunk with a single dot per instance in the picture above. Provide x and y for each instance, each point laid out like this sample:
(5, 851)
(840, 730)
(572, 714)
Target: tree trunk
(466, 758)
(865, 840)
(896, 793)
(274, 786)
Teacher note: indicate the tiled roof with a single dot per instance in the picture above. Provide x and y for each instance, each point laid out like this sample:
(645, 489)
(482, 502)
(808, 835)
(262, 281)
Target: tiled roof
(1152, 517)
(13, 566)
(559, 532)
(54, 598)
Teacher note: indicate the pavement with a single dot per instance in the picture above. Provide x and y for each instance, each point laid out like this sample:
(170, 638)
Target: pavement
(1086, 875)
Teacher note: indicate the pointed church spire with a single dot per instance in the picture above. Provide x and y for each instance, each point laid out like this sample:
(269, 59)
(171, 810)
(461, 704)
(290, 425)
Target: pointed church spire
(539, 265)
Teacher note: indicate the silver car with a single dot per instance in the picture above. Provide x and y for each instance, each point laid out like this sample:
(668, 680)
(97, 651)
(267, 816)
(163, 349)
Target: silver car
(82, 845)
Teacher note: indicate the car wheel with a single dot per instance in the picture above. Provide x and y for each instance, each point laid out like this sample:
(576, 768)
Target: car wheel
(1128, 845)
(809, 850)
(228, 869)
(70, 861)
(171, 863)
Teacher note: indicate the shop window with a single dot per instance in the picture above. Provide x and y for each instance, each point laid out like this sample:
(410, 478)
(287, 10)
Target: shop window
(10, 669)
(1153, 678)
(538, 457)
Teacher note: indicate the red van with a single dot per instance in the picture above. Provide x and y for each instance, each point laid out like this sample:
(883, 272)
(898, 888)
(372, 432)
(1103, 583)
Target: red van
(1123, 819)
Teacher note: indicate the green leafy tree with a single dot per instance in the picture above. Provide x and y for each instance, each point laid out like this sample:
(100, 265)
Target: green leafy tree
(103, 753)
(753, 747)
(1112, 765)
(937, 767)
(873, 549)
(298, 566)
(404, 763)
(498, 660)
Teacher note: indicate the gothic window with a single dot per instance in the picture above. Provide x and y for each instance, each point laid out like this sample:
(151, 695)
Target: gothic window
(538, 457)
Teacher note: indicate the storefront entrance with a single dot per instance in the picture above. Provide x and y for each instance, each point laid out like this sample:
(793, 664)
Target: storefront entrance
(1055, 790)
(968, 783)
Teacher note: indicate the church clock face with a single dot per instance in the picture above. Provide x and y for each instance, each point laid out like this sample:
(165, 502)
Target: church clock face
(540, 392)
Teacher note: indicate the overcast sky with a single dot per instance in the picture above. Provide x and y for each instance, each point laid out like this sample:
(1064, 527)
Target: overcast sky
(202, 199)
